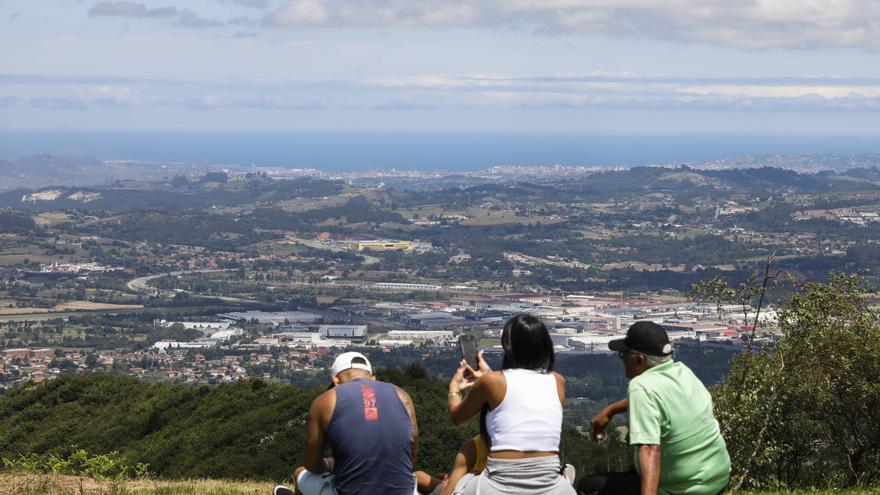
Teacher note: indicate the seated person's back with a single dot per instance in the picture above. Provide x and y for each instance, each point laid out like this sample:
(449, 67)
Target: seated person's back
(370, 434)
(372, 430)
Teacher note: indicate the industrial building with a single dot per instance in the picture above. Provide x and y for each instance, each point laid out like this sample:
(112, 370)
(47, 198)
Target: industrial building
(343, 331)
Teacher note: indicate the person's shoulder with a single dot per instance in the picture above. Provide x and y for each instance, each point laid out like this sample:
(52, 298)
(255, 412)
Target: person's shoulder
(328, 396)
(492, 378)
(324, 404)
(559, 377)
(400, 392)
(639, 383)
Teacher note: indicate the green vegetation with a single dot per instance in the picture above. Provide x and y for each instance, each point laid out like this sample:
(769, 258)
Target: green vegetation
(79, 463)
(801, 414)
(806, 412)
(246, 430)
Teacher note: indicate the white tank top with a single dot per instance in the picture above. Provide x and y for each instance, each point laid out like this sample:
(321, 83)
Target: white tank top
(529, 417)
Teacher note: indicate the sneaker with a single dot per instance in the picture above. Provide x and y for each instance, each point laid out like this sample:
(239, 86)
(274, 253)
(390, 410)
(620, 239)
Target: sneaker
(282, 490)
(569, 473)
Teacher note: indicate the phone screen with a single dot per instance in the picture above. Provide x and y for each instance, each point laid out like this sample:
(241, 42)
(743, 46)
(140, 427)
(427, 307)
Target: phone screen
(468, 349)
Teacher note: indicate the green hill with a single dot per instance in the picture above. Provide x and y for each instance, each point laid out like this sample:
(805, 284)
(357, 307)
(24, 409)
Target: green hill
(245, 430)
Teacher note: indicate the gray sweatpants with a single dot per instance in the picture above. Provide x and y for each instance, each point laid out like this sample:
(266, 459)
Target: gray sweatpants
(535, 475)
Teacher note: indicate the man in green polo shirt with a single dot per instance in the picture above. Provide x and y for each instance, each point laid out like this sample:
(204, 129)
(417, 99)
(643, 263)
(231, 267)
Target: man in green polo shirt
(678, 448)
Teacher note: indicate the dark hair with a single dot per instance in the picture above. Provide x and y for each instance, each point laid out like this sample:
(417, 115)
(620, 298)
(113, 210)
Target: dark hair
(527, 344)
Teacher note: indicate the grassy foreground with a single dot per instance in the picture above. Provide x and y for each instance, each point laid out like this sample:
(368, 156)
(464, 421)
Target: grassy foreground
(73, 485)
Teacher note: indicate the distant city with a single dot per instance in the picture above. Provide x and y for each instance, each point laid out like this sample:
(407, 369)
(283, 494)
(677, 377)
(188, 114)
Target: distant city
(207, 276)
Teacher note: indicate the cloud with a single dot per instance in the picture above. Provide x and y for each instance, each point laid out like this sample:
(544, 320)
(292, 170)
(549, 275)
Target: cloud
(606, 90)
(130, 9)
(342, 13)
(255, 4)
(192, 20)
(756, 24)
(58, 104)
(184, 18)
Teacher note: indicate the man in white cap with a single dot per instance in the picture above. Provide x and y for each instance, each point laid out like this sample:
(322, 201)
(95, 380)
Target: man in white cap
(371, 429)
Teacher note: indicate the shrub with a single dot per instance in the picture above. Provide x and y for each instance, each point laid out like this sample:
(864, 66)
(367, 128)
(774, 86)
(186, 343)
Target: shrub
(110, 466)
(806, 412)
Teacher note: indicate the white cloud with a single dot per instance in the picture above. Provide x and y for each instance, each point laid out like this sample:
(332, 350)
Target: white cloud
(754, 24)
(184, 17)
(623, 90)
(255, 4)
(418, 13)
(130, 9)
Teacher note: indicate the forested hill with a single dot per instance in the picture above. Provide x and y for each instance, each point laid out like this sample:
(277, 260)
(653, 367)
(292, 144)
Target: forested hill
(245, 430)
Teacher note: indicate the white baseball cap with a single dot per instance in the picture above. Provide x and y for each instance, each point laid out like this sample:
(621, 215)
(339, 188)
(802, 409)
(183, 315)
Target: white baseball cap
(344, 362)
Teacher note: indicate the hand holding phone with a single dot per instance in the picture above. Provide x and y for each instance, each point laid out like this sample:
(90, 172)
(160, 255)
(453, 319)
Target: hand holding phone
(468, 346)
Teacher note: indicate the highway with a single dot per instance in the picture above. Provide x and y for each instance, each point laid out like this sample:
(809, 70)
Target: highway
(142, 284)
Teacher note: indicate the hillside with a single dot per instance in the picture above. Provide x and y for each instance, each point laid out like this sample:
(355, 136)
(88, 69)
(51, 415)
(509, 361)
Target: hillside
(48, 170)
(246, 430)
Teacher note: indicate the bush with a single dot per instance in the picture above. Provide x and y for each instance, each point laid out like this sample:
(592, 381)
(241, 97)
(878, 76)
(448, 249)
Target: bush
(807, 412)
(110, 466)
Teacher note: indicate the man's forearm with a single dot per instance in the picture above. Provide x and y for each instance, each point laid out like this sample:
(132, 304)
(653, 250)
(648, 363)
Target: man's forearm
(618, 407)
(649, 468)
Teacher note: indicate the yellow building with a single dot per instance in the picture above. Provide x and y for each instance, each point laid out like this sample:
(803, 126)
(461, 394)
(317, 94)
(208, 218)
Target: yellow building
(382, 245)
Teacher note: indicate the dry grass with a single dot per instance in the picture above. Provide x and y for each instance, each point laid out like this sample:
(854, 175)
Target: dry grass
(51, 218)
(93, 306)
(72, 485)
(68, 306)
(11, 484)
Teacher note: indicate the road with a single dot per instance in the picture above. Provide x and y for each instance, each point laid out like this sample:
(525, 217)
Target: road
(142, 284)
(368, 260)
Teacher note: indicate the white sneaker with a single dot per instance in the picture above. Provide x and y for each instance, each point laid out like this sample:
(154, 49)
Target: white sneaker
(282, 490)
(568, 473)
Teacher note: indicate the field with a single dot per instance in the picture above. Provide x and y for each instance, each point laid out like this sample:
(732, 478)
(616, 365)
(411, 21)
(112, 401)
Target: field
(70, 306)
(72, 485)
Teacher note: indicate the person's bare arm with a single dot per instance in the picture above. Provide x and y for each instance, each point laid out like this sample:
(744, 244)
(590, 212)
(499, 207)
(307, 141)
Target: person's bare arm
(649, 468)
(463, 409)
(411, 410)
(464, 462)
(316, 439)
(601, 420)
(560, 387)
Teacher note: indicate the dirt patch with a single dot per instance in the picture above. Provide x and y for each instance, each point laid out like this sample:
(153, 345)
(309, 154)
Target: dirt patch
(51, 218)
(22, 311)
(69, 306)
(93, 306)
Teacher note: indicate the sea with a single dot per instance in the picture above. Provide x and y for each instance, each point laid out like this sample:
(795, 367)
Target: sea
(353, 152)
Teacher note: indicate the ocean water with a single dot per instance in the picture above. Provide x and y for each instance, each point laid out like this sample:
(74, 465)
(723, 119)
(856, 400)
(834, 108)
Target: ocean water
(452, 152)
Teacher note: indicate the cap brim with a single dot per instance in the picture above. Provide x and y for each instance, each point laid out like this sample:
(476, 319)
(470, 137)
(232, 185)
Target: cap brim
(618, 345)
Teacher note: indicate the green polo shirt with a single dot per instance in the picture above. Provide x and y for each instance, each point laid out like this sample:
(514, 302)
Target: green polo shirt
(670, 407)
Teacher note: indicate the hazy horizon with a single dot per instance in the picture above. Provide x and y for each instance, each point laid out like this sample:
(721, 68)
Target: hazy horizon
(341, 151)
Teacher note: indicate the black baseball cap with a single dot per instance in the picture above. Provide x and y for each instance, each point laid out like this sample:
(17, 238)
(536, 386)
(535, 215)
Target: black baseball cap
(646, 337)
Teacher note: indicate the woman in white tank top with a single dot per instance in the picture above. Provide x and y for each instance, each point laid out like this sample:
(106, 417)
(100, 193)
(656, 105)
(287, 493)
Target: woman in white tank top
(522, 405)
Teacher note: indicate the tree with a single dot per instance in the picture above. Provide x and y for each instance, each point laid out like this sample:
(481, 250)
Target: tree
(806, 412)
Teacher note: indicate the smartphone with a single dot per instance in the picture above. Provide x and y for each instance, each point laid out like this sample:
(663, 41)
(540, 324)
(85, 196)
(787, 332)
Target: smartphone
(468, 347)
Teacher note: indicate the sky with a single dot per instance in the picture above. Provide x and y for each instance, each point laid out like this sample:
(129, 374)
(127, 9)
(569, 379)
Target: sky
(447, 66)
